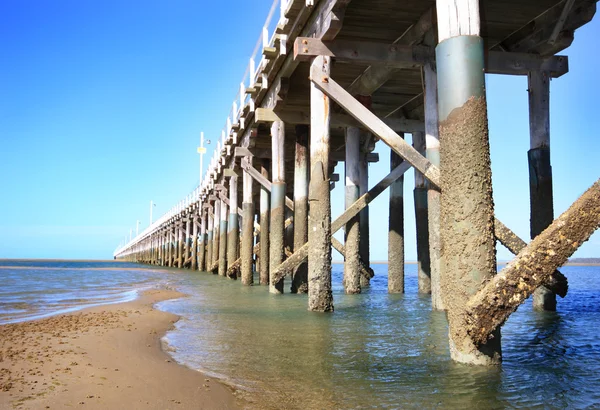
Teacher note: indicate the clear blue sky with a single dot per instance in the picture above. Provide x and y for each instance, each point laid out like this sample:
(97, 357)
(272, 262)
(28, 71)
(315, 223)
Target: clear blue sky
(102, 104)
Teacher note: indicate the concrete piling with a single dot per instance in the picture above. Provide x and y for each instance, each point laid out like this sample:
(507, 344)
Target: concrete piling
(320, 297)
(396, 231)
(300, 274)
(265, 216)
(233, 238)
(278, 188)
(468, 256)
(247, 246)
(222, 267)
(352, 235)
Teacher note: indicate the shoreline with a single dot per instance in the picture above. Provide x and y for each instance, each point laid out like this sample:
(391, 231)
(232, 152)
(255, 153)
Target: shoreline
(107, 356)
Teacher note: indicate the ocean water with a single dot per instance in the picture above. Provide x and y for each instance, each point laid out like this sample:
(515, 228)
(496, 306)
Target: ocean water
(376, 351)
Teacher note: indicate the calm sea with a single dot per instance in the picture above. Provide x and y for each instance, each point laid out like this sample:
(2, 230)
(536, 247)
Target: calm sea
(375, 351)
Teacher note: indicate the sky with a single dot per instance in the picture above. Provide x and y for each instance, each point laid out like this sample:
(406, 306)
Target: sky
(102, 103)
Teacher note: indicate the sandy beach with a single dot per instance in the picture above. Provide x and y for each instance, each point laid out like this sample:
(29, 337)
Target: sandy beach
(105, 357)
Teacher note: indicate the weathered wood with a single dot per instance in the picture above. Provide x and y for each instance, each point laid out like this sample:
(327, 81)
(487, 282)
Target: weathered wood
(320, 297)
(194, 261)
(364, 235)
(502, 295)
(375, 125)
(432, 149)
(296, 116)
(222, 268)
(351, 234)
(302, 253)
(540, 171)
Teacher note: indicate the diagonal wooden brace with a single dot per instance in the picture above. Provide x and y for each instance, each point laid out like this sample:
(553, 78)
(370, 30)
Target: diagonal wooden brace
(501, 296)
(391, 139)
(301, 254)
(254, 173)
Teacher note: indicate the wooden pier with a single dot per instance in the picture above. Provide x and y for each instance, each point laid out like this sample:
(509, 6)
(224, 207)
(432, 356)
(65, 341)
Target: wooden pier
(330, 80)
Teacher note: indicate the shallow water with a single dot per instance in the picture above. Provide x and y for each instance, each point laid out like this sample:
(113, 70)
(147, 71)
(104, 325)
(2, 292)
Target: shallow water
(35, 289)
(384, 351)
(376, 351)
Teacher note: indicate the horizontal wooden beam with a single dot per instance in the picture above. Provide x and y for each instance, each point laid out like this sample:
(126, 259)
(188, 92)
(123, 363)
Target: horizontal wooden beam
(399, 56)
(362, 52)
(296, 116)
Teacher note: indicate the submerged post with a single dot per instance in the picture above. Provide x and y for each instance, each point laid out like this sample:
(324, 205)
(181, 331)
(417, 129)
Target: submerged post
(233, 238)
(421, 221)
(300, 275)
(540, 171)
(223, 240)
(247, 253)
(320, 298)
(265, 216)
(468, 257)
(396, 230)
(352, 236)
(277, 227)
(432, 148)
(364, 215)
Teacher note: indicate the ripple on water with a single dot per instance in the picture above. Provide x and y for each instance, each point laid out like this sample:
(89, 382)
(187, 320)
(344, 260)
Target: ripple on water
(384, 351)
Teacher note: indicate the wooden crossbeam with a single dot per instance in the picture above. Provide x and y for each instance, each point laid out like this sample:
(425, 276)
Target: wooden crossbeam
(399, 56)
(337, 156)
(295, 116)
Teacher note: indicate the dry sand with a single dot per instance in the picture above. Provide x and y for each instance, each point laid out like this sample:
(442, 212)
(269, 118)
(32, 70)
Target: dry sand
(106, 357)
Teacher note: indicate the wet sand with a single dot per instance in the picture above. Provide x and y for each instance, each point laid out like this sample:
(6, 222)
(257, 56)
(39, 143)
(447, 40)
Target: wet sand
(105, 357)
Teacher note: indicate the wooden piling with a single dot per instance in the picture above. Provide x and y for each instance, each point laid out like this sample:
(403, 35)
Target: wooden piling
(170, 247)
(320, 297)
(202, 240)
(300, 274)
(180, 244)
(216, 236)
(396, 230)
(540, 171)
(421, 221)
(265, 216)
(247, 254)
(352, 235)
(233, 229)
(195, 219)
(186, 247)
(223, 240)
(364, 216)
(432, 145)
(278, 188)
(468, 255)
(210, 239)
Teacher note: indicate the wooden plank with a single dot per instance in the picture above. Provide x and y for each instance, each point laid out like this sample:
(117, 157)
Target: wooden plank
(254, 173)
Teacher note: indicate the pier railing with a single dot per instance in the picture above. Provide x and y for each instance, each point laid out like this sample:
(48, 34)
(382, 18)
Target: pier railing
(242, 103)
